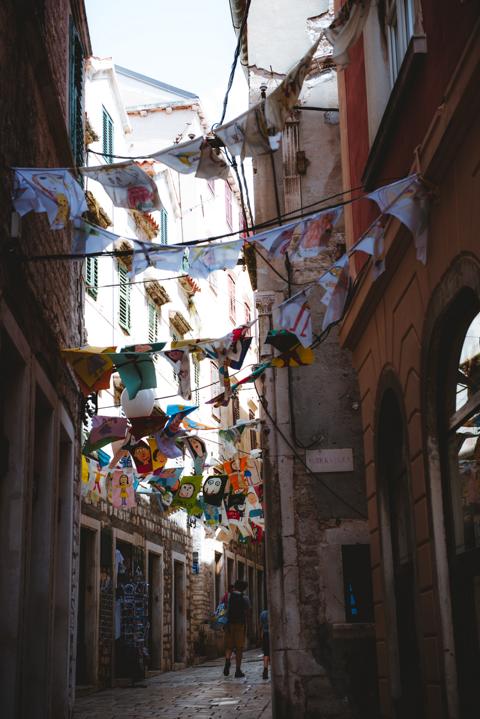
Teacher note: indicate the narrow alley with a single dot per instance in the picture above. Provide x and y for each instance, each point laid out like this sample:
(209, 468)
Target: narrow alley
(201, 691)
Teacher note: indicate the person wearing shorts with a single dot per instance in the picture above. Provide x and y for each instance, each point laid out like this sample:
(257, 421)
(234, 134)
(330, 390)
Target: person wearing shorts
(265, 641)
(238, 609)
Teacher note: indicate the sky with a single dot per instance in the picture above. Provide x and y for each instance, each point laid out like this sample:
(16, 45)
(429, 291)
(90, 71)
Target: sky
(186, 43)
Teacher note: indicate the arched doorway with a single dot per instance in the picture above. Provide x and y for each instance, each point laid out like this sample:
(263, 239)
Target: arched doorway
(398, 559)
(458, 434)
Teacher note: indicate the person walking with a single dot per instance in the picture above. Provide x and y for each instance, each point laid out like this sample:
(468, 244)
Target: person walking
(238, 610)
(265, 642)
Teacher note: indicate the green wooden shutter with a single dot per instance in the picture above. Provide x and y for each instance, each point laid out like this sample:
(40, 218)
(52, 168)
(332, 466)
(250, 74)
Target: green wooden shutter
(124, 309)
(107, 135)
(91, 276)
(75, 95)
(163, 227)
(152, 322)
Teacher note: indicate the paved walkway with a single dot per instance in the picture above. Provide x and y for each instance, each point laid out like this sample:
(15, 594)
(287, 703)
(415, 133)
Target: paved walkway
(201, 692)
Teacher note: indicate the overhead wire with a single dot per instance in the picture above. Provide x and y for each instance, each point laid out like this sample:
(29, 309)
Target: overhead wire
(235, 60)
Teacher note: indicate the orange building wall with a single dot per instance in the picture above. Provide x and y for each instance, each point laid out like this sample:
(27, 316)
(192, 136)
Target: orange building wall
(393, 337)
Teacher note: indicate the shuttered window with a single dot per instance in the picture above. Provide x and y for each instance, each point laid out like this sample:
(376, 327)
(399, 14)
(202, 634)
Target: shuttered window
(75, 95)
(124, 309)
(91, 276)
(152, 321)
(163, 227)
(196, 379)
(107, 134)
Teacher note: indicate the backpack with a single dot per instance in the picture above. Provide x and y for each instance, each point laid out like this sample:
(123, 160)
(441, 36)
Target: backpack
(236, 608)
(220, 618)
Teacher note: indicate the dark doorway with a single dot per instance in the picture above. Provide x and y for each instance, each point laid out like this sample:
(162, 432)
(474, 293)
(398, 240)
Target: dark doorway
(179, 613)
(395, 497)
(155, 590)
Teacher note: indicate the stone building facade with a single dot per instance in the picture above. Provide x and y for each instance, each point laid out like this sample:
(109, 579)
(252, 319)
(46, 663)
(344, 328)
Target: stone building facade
(409, 104)
(41, 123)
(317, 552)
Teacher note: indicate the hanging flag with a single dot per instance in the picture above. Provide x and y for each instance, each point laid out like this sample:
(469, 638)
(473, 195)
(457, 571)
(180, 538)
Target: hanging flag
(159, 460)
(136, 370)
(99, 488)
(142, 456)
(187, 493)
(247, 134)
(176, 413)
(127, 185)
(184, 157)
(179, 359)
(214, 489)
(90, 238)
(257, 372)
(254, 509)
(167, 478)
(190, 423)
(328, 281)
(162, 258)
(168, 446)
(54, 191)
(197, 449)
(346, 28)
(408, 201)
(293, 354)
(211, 166)
(104, 431)
(295, 316)
(373, 243)
(144, 426)
(280, 240)
(202, 260)
(316, 233)
(123, 494)
(280, 103)
(338, 299)
(92, 367)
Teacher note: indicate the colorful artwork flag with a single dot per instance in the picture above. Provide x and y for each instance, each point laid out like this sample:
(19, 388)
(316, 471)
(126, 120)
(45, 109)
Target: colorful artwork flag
(144, 426)
(159, 460)
(373, 243)
(92, 367)
(98, 484)
(189, 423)
(179, 359)
(316, 233)
(408, 201)
(211, 166)
(123, 494)
(338, 299)
(89, 238)
(54, 191)
(168, 446)
(127, 185)
(254, 509)
(295, 316)
(257, 372)
(176, 413)
(136, 370)
(246, 135)
(280, 103)
(202, 260)
(142, 456)
(214, 489)
(167, 479)
(104, 431)
(184, 157)
(346, 28)
(187, 493)
(198, 451)
(328, 281)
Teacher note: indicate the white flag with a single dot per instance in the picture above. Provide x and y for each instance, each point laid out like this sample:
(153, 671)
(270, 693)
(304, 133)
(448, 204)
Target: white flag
(373, 243)
(90, 238)
(346, 29)
(212, 166)
(295, 316)
(337, 292)
(329, 279)
(247, 134)
(127, 185)
(206, 259)
(408, 201)
(184, 157)
(163, 258)
(54, 191)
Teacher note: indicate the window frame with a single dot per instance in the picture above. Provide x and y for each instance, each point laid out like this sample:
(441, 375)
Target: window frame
(399, 20)
(125, 296)
(153, 320)
(163, 226)
(91, 285)
(108, 134)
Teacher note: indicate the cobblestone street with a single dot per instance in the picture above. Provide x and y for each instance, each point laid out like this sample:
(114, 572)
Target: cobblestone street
(200, 691)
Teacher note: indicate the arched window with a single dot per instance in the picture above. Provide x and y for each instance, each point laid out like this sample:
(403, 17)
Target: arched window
(458, 386)
(398, 558)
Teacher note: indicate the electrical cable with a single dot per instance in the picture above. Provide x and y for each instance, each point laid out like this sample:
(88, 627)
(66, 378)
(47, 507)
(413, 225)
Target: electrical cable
(235, 61)
(301, 460)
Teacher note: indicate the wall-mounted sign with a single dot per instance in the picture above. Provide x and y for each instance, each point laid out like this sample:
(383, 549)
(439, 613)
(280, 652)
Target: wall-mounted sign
(330, 460)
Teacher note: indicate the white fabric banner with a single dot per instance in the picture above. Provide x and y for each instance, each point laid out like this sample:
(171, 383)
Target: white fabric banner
(184, 157)
(163, 258)
(205, 259)
(54, 191)
(212, 166)
(247, 134)
(90, 238)
(346, 29)
(127, 185)
(373, 243)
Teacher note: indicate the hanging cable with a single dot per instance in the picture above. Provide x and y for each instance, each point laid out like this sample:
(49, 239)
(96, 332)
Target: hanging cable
(235, 61)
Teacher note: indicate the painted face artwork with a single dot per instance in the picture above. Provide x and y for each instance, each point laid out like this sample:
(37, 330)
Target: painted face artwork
(186, 490)
(186, 496)
(142, 456)
(166, 498)
(123, 495)
(214, 489)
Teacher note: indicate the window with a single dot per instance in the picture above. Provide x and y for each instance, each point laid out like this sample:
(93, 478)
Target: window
(228, 205)
(152, 321)
(400, 14)
(107, 134)
(253, 431)
(231, 299)
(91, 276)
(196, 380)
(357, 583)
(125, 288)
(75, 95)
(163, 227)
